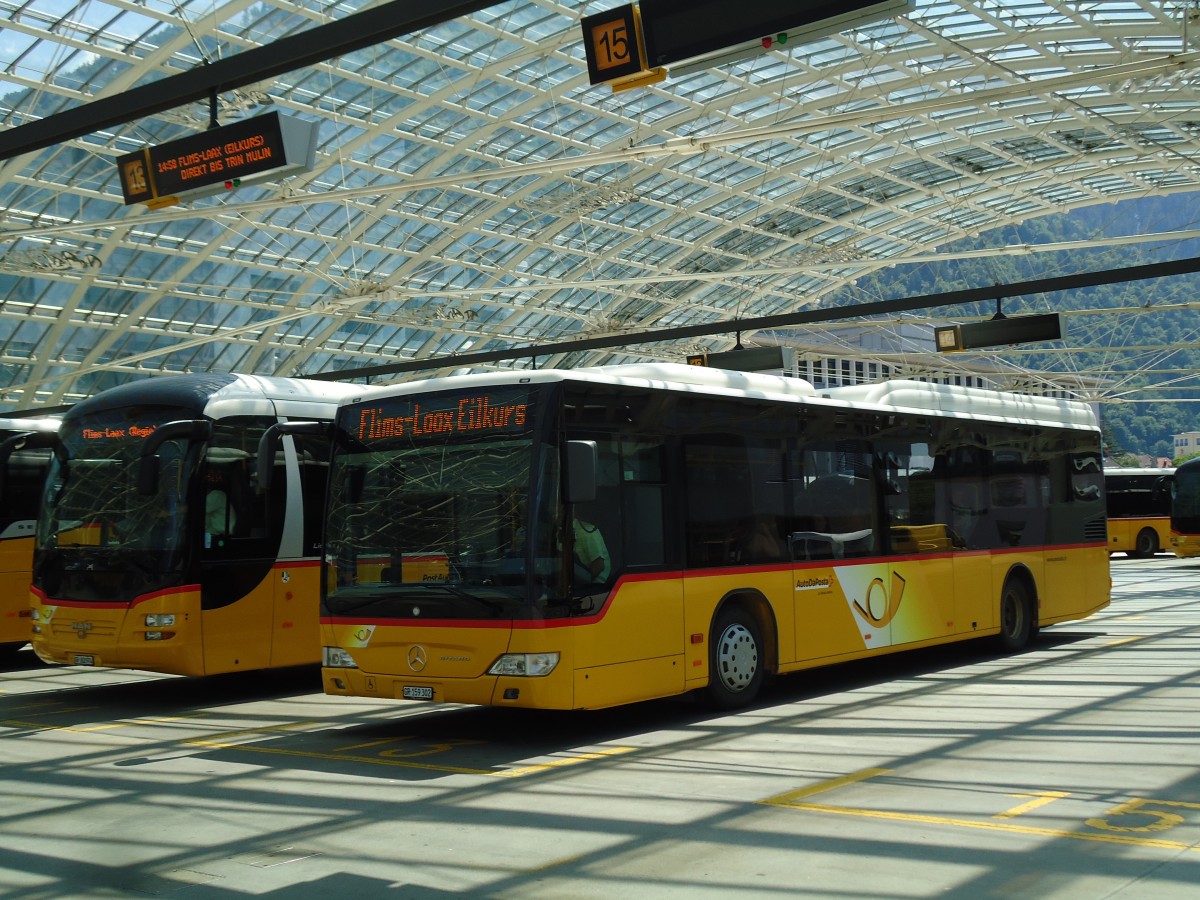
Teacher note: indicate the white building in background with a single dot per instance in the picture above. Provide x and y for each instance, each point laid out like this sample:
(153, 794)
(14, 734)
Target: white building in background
(836, 356)
(1187, 444)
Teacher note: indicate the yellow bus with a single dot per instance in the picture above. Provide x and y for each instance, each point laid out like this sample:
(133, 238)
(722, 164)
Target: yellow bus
(156, 548)
(625, 533)
(1185, 510)
(24, 457)
(1139, 510)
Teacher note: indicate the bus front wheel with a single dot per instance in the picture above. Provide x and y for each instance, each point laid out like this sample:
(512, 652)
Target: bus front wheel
(1016, 616)
(735, 659)
(1146, 544)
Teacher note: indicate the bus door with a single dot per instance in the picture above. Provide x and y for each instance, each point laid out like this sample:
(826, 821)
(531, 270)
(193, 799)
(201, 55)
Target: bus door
(635, 648)
(239, 528)
(836, 544)
(296, 580)
(918, 599)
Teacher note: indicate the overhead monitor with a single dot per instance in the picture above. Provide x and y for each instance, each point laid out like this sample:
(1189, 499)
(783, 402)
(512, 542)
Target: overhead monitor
(999, 332)
(686, 35)
(253, 150)
(749, 359)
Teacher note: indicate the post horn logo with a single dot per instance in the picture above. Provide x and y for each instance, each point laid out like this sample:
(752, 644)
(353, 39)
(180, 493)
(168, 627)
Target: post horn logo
(879, 608)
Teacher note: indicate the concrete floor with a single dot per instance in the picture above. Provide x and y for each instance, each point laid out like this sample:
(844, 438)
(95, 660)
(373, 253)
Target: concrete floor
(1068, 771)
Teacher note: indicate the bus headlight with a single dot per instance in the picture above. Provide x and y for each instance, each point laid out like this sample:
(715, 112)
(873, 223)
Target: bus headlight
(337, 658)
(160, 620)
(529, 665)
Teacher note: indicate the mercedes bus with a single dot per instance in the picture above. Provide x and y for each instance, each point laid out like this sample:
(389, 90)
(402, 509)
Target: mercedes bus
(1185, 510)
(1138, 502)
(587, 538)
(156, 546)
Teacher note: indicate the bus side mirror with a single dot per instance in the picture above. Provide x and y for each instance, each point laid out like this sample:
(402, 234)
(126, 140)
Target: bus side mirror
(581, 471)
(183, 429)
(266, 446)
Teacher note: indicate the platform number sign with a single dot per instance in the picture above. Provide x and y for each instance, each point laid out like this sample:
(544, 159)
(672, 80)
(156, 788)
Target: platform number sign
(613, 44)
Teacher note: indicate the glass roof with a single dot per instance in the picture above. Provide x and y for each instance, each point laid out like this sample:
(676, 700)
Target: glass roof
(473, 191)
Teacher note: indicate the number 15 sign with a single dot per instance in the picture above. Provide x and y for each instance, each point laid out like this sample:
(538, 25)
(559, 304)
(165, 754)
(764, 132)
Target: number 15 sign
(613, 43)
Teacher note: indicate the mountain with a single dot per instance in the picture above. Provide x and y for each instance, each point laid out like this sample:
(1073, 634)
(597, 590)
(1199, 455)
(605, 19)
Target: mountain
(1139, 333)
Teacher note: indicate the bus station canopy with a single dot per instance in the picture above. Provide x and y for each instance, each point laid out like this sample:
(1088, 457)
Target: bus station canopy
(472, 190)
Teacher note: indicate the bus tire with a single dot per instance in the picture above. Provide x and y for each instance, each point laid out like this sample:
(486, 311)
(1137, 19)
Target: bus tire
(1146, 544)
(736, 659)
(1016, 615)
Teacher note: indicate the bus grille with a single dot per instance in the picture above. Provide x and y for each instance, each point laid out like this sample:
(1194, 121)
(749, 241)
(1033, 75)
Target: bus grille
(81, 628)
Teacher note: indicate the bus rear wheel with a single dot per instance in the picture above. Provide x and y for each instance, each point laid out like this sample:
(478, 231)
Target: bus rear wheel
(1146, 544)
(1016, 616)
(735, 659)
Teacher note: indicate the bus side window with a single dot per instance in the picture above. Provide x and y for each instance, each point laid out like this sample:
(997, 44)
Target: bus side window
(234, 512)
(643, 504)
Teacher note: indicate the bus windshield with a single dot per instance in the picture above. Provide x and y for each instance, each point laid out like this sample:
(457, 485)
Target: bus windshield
(98, 537)
(446, 507)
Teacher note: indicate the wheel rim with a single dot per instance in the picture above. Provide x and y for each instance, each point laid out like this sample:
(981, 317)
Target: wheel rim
(1013, 614)
(737, 657)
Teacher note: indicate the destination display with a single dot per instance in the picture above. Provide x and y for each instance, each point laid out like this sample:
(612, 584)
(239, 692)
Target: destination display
(475, 413)
(268, 146)
(117, 434)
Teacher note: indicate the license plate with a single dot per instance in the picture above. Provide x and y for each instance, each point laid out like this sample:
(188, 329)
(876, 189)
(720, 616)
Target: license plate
(416, 693)
(81, 660)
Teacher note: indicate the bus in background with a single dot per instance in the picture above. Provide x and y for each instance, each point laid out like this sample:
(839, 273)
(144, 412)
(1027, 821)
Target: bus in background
(25, 447)
(625, 533)
(155, 548)
(1185, 510)
(1139, 510)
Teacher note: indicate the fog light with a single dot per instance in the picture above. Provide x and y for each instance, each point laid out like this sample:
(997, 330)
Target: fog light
(528, 665)
(337, 658)
(159, 635)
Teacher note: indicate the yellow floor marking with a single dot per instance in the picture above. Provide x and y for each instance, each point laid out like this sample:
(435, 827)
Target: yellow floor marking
(341, 756)
(790, 798)
(107, 726)
(568, 761)
(1041, 798)
(989, 826)
(1128, 640)
(367, 744)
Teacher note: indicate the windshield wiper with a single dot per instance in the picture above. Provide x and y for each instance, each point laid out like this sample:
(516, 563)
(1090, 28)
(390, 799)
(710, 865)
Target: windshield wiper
(454, 591)
(345, 607)
(403, 595)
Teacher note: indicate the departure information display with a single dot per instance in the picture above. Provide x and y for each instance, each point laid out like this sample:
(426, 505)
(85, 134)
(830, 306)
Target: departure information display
(219, 158)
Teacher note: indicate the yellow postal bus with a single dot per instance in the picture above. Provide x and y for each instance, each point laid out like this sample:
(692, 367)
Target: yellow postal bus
(1139, 510)
(24, 457)
(625, 533)
(157, 546)
(1185, 510)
